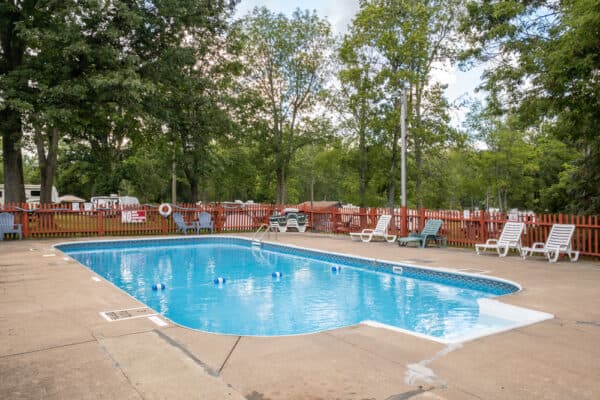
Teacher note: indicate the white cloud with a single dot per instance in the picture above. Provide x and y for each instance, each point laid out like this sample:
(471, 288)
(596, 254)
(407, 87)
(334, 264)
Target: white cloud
(338, 13)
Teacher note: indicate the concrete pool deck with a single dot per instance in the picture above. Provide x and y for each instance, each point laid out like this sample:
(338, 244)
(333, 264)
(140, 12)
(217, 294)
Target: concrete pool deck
(55, 345)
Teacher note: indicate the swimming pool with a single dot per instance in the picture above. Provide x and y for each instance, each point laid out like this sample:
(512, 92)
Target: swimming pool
(273, 290)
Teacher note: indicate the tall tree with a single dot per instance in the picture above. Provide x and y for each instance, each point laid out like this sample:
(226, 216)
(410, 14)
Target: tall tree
(13, 82)
(359, 103)
(194, 80)
(287, 66)
(84, 70)
(544, 58)
(410, 38)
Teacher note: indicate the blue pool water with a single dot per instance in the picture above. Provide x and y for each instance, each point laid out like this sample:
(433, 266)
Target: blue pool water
(308, 297)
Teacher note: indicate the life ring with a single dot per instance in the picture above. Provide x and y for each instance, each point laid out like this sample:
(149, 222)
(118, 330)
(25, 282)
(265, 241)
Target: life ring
(165, 209)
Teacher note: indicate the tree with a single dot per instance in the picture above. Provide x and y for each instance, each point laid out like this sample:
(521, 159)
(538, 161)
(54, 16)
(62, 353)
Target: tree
(12, 82)
(359, 102)
(83, 73)
(287, 63)
(544, 58)
(409, 38)
(192, 105)
(192, 73)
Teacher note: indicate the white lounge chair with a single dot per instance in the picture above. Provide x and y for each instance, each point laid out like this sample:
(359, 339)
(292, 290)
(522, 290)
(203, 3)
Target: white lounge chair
(380, 231)
(559, 241)
(510, 238)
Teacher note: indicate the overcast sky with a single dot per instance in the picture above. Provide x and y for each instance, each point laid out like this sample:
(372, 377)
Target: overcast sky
(340, 14)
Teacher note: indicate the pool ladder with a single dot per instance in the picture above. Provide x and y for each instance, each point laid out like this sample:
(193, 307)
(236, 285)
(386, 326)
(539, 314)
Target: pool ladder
(260, 233)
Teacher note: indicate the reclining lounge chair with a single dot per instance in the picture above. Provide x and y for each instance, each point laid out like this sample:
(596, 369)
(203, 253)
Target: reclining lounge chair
(380, 231)
(510, 238)
(429, 232)
(559, 241)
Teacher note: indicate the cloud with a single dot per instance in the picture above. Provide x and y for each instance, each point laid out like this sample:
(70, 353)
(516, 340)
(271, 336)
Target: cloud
(340, 13)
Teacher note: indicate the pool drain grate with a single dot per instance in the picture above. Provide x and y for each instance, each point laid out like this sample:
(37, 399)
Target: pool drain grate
(120, 315)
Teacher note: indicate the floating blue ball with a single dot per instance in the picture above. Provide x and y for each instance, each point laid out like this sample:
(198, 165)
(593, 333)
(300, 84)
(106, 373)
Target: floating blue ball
(276, 274)
(158, 286)
(219, 280)
(336, 268)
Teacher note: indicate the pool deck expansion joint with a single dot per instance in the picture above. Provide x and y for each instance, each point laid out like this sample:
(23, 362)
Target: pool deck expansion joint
(188, 353)
(229, 354)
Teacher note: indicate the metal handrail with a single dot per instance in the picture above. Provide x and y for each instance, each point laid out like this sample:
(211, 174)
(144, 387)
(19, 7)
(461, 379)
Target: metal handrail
(260, 231)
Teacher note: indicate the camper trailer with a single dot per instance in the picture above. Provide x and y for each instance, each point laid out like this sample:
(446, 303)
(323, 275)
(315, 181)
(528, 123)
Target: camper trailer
(32, 194)
(114, 200)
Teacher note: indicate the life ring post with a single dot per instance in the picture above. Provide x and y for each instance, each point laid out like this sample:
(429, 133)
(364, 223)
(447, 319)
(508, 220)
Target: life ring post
(165, 209)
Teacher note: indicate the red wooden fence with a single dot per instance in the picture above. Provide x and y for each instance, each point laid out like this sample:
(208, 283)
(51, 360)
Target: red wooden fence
(461, 228)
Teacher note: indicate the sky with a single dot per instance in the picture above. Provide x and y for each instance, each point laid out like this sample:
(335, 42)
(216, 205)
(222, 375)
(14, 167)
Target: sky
(339, 13)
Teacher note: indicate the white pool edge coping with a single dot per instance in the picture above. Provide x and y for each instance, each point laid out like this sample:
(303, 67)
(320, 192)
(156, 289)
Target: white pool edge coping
(521, 317)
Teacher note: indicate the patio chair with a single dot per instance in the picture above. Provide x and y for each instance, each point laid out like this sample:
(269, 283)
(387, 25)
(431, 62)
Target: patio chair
(205, 221)
(7, 225)
(380, 231)
(182, 226)
(559, 241)
(296, 221)
(510, 238)
(429, 232)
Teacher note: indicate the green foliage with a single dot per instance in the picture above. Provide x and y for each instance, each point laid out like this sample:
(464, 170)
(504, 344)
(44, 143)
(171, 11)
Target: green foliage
(545, 71)
(111, 93)
(393, 45)
(287, 61)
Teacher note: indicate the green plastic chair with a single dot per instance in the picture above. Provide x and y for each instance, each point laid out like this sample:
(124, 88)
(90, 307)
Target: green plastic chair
(429, 232)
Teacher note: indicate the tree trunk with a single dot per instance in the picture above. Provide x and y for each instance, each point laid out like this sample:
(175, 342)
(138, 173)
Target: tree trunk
(47, 163)
(281, 183)
(418, 165)
(14, 188)
(418, 146)
(393, 173)
(13, 49)
(194, 189)
(312, 188)
(193, 181)
(362, 145)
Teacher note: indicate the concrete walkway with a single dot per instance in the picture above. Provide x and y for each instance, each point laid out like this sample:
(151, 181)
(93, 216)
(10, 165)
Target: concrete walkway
(55, 345)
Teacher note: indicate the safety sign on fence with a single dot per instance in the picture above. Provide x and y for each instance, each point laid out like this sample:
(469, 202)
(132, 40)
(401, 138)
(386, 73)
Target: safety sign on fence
(133, 217)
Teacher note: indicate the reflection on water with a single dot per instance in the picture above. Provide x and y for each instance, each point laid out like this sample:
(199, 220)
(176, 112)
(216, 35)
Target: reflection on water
(309, 297)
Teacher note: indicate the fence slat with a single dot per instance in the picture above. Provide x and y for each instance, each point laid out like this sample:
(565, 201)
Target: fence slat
(460, 228)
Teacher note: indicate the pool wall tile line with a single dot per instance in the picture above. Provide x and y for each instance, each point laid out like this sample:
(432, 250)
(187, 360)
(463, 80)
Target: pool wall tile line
(495, 286)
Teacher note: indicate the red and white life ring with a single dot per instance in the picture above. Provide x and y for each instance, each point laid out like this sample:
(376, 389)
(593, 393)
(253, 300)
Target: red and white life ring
(165, 209)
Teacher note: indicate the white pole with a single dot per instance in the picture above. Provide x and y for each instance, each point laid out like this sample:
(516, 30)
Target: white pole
(403, 154)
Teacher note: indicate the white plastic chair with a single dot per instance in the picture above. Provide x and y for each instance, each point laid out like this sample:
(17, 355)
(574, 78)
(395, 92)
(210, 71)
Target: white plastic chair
(510, 238)
(380, 231)
(296, 221)
(559, 241)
